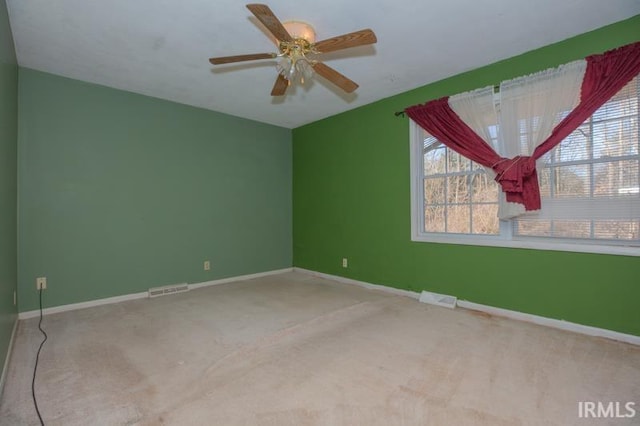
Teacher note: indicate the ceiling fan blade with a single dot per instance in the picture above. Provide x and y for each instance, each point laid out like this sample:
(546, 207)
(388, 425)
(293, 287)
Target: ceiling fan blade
(280, 86)
(241, 58)
(357, 38)
(335, 77)
(269, 20)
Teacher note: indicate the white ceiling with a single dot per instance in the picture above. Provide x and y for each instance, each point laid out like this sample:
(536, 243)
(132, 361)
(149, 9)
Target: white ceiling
(161, 48)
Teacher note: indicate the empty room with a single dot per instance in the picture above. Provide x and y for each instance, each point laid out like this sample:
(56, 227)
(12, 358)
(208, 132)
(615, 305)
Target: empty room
(320, 213)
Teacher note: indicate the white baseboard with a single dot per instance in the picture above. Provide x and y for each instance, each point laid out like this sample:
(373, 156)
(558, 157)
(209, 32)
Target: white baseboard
(386, 289)
(520, 316)
(142, 295)
(551, 322)
(239, 278)
(82, 305)
(5, 367)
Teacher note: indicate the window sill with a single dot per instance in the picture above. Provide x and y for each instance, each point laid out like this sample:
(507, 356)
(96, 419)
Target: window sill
(528, 244)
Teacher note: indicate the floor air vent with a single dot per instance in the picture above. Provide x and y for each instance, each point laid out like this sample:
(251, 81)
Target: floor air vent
(438, 299)
(168, 289)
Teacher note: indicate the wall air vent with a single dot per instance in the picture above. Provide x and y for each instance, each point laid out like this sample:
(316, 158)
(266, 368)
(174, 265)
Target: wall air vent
(168, 289)
(438, 299)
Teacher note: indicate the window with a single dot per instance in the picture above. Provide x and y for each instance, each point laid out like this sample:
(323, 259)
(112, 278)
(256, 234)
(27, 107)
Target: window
(590, 187)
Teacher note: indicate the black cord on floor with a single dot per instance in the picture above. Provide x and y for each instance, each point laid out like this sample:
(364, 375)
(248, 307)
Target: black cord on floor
(35, 368)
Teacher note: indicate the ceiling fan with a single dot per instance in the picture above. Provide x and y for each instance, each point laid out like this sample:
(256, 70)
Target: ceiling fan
(296, 48)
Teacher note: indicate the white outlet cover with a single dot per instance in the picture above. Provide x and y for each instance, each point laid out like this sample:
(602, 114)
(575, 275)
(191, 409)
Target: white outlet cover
(41, 283)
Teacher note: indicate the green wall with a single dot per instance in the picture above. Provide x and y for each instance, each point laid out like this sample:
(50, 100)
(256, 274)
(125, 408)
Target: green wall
(8, 176)
(120, 192)
(352, 199)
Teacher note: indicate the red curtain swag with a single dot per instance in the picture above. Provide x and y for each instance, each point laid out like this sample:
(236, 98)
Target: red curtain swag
(606, 74)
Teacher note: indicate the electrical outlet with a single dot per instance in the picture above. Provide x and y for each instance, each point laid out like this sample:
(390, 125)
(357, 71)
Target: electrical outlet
(41, 283)
(345, 262)
(207, 265)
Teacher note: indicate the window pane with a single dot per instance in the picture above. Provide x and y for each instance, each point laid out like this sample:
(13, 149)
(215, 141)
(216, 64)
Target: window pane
(484, 189)
(572, 228)
(476, 166)
(434, 190)
(434, 219)
(533, 227)
(618, 230)
(616, 177)
(456, 162)
(544, 181)
(574, 147)
(434, 161)
(457, 189)
(571, 181)
(615, 138)
(458, 218)
(485, 219)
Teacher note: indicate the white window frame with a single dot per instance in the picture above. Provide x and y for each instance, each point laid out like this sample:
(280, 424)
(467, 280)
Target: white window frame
(506, 237)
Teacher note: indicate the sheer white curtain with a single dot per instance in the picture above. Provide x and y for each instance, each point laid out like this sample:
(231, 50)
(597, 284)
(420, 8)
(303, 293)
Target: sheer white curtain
(478, 110)
(530, 107)
(522, 116)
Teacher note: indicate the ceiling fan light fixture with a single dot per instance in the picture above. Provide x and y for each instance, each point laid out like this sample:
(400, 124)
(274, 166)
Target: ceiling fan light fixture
(300, 29)
(293, 60)
(291, 68)
(284, 66)
(306, 70)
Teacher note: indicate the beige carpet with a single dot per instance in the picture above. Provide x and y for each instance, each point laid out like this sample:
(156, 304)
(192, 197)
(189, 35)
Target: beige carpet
(291, 349)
